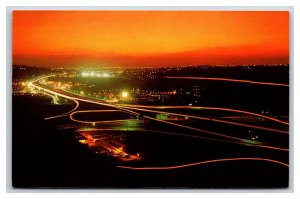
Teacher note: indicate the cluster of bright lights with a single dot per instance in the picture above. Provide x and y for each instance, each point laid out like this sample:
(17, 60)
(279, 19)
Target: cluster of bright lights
(124, 94)
(94, 74)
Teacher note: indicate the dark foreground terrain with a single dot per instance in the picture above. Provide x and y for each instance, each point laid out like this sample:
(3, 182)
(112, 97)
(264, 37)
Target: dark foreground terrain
(48, 154)
(47, 157)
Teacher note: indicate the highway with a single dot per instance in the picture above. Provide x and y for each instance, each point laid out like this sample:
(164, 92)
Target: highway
(241, 141)
(209, 119)
(135, 110)
(204, 162)
(96, 111)
(72, 96)
(236, 139)
(169, 113)
(64, 114)
(52, 96)
(208, 108)
(228, 80)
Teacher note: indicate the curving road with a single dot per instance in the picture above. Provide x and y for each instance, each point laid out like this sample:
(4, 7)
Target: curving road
(209, 108)
(228, 80)
(64, 114)
(127, 110)
(95, 111)
(203, 162)
(210, 119)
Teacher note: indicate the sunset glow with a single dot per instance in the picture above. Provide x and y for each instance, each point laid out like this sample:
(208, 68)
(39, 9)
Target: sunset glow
(149, 38)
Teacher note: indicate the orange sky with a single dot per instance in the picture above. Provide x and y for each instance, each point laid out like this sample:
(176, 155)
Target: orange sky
(149, 38)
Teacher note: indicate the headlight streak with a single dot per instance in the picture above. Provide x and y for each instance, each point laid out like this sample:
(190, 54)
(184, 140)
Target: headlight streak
(187, 135)
(96, 111)
(85, 99)
(64, 114)
(211, 119)
(203, 162)
(228, 80)
(208, 108)
(229, 139)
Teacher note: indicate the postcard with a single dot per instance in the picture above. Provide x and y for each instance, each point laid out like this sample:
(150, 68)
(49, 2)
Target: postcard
(150, 99)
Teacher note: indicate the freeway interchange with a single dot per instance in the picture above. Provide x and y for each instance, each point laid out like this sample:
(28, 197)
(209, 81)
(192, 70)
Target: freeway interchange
(146, 113)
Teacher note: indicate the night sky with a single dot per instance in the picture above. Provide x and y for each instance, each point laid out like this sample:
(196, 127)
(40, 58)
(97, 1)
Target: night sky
(149, 38)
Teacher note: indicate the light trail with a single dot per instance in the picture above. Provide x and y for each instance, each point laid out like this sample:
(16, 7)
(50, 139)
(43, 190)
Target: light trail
(96, 111)
(137, 114)
(102, 121)
(194, 129)
(228, 80)
(162, 132)
(64, 114)
(77, 105)
(211, 119)
(187, 135)
(80, 98)
(242, 141)
(31, 84)
(38, 79)
(203, 162)
(52, 96)
(209, 108)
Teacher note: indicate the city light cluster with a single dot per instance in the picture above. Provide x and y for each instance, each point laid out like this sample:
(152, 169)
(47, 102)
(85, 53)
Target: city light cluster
(95, 74)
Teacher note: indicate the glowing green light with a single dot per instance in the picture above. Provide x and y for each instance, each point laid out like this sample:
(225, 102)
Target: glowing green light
(161, 116)
(129, 125)
(251, 142)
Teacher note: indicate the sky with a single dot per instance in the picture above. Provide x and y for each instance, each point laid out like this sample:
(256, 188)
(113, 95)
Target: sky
(149, 38)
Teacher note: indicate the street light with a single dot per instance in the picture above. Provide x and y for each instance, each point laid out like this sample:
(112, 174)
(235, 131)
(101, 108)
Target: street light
(124, 94)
